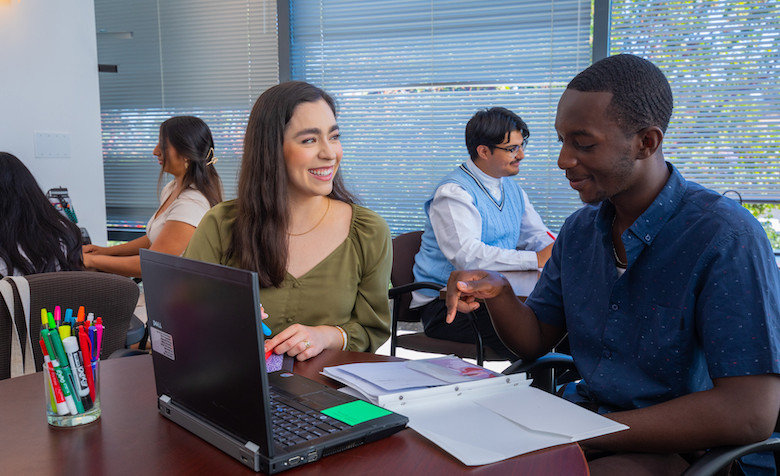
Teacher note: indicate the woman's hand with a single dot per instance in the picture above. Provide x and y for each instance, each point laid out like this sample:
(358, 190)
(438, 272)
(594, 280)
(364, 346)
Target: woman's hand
(304, 342)
(89, 260)
(86, 249)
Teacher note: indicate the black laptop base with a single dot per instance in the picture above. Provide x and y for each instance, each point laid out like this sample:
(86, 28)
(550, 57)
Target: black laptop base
(248, 453)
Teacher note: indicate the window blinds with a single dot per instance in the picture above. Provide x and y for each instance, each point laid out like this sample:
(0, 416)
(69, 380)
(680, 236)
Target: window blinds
(408, 75)
(722, 59)
(177, 57)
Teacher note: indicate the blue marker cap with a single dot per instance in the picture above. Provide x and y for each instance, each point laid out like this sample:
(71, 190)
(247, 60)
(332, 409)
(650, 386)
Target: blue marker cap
(69, 316)
(266, 330)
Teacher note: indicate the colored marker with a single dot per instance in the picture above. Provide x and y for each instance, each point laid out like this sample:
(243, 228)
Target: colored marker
(44, 318)
(62, 358)
(64, 331)
(81, 315)
(52, 322)
(266, 330)
(57, 315)
(71, 346)
(57, 397)
(551, 235)
(69, 316)
(61, 379)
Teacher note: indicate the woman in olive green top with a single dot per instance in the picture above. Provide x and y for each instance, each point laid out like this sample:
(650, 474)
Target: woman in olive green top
(323, 262)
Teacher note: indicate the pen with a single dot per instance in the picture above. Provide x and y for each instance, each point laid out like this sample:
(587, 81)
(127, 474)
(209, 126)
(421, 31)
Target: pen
(551, 235)
(266, 330)
(92, 343)
(86, 356)
(99, 339)
(57, 315)
(50, 318)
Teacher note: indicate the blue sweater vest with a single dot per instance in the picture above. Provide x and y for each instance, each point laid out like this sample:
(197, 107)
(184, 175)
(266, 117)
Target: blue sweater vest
(501, 223)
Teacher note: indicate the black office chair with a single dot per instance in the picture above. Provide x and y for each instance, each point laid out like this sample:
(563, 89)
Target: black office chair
(717, 459)
(111, 297)
(548, 372)
(556, 368)
(405, 247)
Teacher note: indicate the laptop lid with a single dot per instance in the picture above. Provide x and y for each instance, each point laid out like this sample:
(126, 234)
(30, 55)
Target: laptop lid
(207, 347)
(210, 373)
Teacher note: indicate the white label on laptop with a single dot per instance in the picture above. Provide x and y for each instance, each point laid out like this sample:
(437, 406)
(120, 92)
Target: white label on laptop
(162, 342)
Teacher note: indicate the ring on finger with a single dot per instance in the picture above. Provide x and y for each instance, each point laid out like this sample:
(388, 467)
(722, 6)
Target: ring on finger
(306, 344)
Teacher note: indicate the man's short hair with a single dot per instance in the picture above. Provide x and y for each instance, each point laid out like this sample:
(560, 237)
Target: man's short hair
(641, 95)
(491, 127)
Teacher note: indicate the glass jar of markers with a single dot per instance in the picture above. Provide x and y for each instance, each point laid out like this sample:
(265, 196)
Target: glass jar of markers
(71, 366)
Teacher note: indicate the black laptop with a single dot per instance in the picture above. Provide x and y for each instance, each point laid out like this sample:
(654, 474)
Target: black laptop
(209, 368)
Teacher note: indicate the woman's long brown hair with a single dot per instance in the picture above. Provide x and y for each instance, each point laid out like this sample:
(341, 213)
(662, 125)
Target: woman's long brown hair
(260, 240)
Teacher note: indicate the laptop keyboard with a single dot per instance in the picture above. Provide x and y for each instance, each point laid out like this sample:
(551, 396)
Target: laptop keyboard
(293, 423)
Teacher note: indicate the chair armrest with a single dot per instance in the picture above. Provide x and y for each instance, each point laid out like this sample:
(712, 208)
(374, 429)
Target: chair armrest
(407, 288)
(718, 458)
(551, 360)
(127, 353)
(135, 331)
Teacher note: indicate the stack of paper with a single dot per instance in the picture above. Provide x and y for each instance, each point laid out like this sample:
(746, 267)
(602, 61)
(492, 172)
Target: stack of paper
(479, 419)
(378, 379)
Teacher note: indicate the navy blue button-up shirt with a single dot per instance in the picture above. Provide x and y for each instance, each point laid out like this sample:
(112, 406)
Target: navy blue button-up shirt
(699, 299)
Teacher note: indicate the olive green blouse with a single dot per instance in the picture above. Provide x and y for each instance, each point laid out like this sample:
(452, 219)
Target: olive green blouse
(348, 288)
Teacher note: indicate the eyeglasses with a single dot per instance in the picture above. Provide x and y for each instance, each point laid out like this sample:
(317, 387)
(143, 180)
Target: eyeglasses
(515, 148)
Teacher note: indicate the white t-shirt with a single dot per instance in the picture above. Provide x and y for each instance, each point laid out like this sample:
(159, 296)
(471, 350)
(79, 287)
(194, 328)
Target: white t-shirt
(17, 272)
(189, 207)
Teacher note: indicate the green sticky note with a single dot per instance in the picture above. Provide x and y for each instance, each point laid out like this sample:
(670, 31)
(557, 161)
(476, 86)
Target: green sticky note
(356, 412)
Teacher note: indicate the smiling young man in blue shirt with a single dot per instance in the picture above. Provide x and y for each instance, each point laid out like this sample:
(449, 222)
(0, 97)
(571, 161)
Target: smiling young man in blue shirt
(669, 292)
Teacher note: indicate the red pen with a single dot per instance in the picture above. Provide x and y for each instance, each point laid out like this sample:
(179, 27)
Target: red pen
(268, 353)
(551, 235)
(86, 356)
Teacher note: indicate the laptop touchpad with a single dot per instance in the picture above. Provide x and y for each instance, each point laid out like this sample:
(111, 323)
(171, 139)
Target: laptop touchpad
(323, 400)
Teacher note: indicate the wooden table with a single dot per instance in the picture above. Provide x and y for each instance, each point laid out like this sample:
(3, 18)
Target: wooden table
(132, 438)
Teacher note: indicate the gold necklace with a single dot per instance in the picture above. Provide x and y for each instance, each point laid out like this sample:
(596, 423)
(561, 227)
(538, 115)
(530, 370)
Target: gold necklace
(316, 224)
(620, 264)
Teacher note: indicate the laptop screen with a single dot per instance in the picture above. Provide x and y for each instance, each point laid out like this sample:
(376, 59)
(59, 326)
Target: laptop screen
(207, 344)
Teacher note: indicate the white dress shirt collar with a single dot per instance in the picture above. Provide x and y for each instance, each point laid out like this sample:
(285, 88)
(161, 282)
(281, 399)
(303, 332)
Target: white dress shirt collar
(492, 184)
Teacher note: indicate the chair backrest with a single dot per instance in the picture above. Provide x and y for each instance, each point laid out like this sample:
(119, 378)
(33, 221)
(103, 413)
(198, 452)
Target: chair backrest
(5, 341)
(109, 296)
(405, 247)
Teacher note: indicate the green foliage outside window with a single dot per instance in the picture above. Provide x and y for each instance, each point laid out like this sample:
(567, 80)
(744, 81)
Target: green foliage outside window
(769, 216)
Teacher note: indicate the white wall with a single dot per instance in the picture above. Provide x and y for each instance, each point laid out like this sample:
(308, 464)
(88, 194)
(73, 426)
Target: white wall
(49, 83)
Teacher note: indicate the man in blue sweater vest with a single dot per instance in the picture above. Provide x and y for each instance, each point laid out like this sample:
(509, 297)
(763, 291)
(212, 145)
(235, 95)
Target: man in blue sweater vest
(477, 217)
